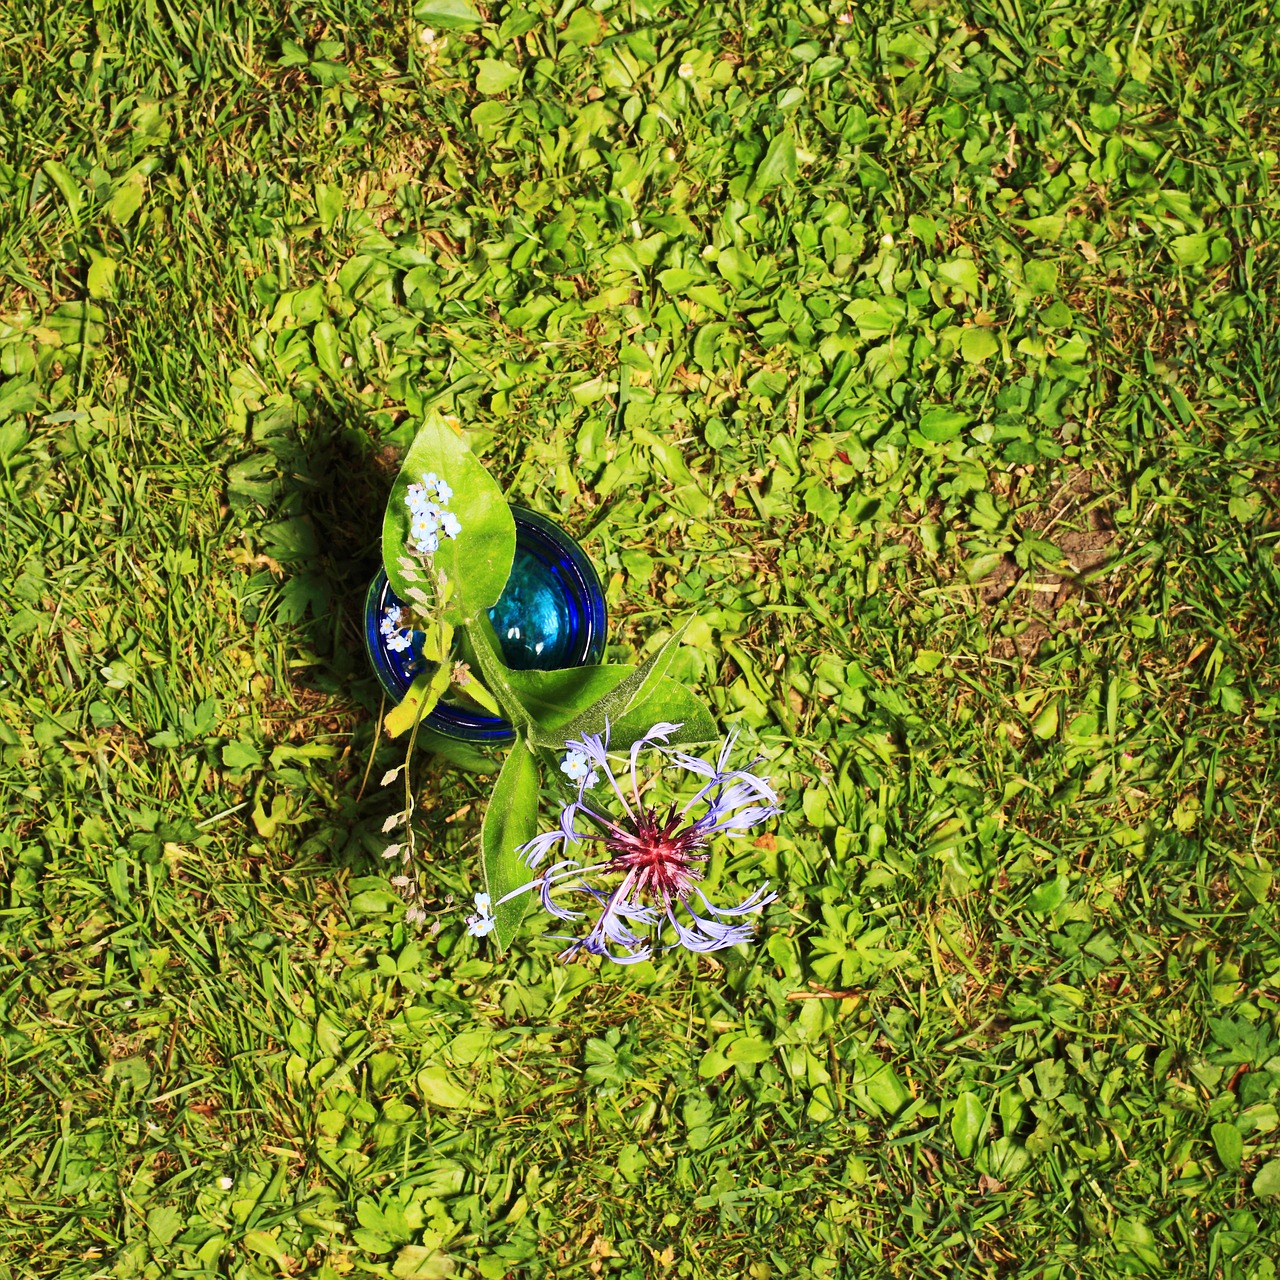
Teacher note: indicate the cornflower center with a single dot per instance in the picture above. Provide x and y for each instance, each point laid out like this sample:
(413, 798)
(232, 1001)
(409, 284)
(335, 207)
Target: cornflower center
(664, 859)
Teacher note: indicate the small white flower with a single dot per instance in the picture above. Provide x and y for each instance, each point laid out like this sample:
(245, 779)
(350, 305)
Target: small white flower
(482, 922)
(226, 1183)
(393, 821)
(427, 36)
(685, 70)
(399, 642)
(443, 493)
(391, 775)
(577, 767)
(423, 526)
(429, 545)
(449, 524)
(391, 851)
(401, 882)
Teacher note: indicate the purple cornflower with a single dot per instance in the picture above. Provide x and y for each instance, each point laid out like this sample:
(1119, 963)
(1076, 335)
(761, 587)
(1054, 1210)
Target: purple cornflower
(646, 881)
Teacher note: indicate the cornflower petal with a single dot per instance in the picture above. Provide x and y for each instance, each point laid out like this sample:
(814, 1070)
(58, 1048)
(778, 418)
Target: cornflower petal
(758, 899)
(735, 823)
(659, 733)
(533, 853)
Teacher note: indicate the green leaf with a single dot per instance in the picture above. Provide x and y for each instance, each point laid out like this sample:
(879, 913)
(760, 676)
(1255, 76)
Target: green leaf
(510, 820)
(749, 1049)
(418, 702)
(67, 186)
(1267, 1183)
(627, 694)
(1049, 896)
(418, 1262)
(1229, 1145)
(101, 278)
(496, 77)
(241, 755)
(1045, 725)
(960, 274)
(939, 425)
(482, 644)
(1190, 251)
(585, 27)
(673, 702)
(778, 165)
(477, 562)
(1049, 226)
(1040, 275)
(968, 1123)
(447, 13)
(977, 345)
(126, 200)
(164, 1222)
(555, 698)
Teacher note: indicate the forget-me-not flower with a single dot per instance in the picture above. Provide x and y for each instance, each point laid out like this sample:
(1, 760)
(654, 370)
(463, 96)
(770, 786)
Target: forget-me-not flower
(644, 884)
(428, 519)
(482, 921)
(395, 635)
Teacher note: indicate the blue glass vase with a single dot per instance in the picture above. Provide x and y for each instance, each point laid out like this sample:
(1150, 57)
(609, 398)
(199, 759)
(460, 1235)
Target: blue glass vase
(551, 615)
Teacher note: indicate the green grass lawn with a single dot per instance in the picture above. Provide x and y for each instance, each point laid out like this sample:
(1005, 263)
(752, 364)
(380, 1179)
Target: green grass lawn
(926, 351)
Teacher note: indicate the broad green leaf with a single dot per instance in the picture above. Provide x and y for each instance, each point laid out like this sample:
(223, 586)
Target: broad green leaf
(446, 13)
(482, 645)
(329, 204)
(778, 165)
(1229, 1145)
(418, 702)
(438, 1087)
(1047, 227)
(101, 277)
(960, 274)
(241, 755)
(668, 701)
(627, 694)
(126, 200)
(555, 698)
(420, 1262)
(324, 338)
(67, 186)
(881, 1084)
(510, 820)
(1267, 1183)
(495, 76)
(585, 27)
(938, 425)
(1040, 275)
(1048, 896)
(968, 1123)
(977, 345)
(1190, 251)
(1045, 725)
(477, 562)
(749, 1049)
(165, 1221)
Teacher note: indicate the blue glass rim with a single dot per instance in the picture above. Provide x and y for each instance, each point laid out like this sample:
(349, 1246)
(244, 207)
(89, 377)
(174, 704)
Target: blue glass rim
(542, 538)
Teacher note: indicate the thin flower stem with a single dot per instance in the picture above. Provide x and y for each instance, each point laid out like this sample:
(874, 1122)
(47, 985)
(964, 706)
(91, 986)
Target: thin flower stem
(373, 750)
